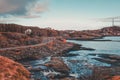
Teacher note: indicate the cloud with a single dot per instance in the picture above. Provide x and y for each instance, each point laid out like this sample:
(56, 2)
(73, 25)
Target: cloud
(22, 8)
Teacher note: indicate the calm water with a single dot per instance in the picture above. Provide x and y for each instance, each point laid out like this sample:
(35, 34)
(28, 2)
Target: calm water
(110, 47)
(81, 64)
(85, 61)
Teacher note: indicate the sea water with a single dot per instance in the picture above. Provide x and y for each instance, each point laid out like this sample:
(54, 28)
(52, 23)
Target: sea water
(106, 45)
(83, 62)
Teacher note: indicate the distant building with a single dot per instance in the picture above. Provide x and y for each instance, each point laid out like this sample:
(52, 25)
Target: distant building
(49, 28)
(28, 31)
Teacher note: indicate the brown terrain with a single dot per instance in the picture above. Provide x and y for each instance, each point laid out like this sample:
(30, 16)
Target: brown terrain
(13, 39)
(11, 70)
(17, 45)
(93, 34)
(68, 34)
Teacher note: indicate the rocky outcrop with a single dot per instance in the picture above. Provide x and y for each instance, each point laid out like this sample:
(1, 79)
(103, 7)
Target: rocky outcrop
(58, 65)
(104, 73)
(61, 69)
(111, 31)
(10, 70)
(112, 59)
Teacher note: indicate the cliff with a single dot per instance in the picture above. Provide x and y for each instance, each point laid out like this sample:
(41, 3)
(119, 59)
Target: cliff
(10, 70)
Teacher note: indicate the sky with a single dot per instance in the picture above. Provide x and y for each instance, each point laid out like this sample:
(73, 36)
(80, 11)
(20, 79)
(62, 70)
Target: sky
(60, 14)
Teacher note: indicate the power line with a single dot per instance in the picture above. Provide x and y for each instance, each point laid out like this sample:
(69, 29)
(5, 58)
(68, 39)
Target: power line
(111, 19)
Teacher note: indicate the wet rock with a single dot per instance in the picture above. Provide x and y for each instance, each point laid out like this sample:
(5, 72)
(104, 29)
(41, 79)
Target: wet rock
(38, 68)
(51, 76)
(110, 56)
(56, 76)
(84, 48)
(76, 61)
(58, 65)
(109, 61)
(66, 78)
(70, 55)
(102, 73)
(76, 47)
(112, 59)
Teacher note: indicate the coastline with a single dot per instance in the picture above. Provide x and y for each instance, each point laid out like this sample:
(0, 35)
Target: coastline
(53, 48)
(37, 47)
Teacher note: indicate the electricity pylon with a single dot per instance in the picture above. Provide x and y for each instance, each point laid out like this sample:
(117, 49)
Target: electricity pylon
(111, 19)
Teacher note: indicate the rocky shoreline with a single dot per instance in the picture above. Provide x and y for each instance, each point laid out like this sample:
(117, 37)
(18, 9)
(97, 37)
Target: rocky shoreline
(54, 48)
(51, 43)
(56, 64)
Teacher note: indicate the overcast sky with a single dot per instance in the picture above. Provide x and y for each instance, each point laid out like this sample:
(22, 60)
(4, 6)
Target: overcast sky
(60, 14)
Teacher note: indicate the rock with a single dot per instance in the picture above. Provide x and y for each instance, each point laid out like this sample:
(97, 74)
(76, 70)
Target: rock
(10, 70)
(112, 59)
(84, 48)
(60, 77)
(66, 78)
(51, 76)
(75, 61)
(69, 78)
(76, 47)
(56, 76)
(70, 55)
(115, 78)
(103, 73)
(58, 65)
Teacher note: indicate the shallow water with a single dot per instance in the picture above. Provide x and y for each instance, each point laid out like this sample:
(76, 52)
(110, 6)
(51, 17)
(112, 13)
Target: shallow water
(83, 62)
(87, 61)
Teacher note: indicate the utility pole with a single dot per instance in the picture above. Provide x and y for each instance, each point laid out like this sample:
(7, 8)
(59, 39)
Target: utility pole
(113, 21)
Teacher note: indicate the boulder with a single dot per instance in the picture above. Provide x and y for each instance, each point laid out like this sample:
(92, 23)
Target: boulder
(58, 65)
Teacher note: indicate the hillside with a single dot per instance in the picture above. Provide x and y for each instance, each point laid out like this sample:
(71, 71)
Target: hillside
(68, 34)
(13, 39)
(92, 34)
(35, 30)
(11, 70)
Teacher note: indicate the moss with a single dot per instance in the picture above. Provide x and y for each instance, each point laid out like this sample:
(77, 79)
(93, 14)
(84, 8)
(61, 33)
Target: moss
(11, 70)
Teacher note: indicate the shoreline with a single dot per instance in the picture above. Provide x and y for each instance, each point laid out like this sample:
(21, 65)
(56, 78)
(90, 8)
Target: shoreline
(53, 48)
